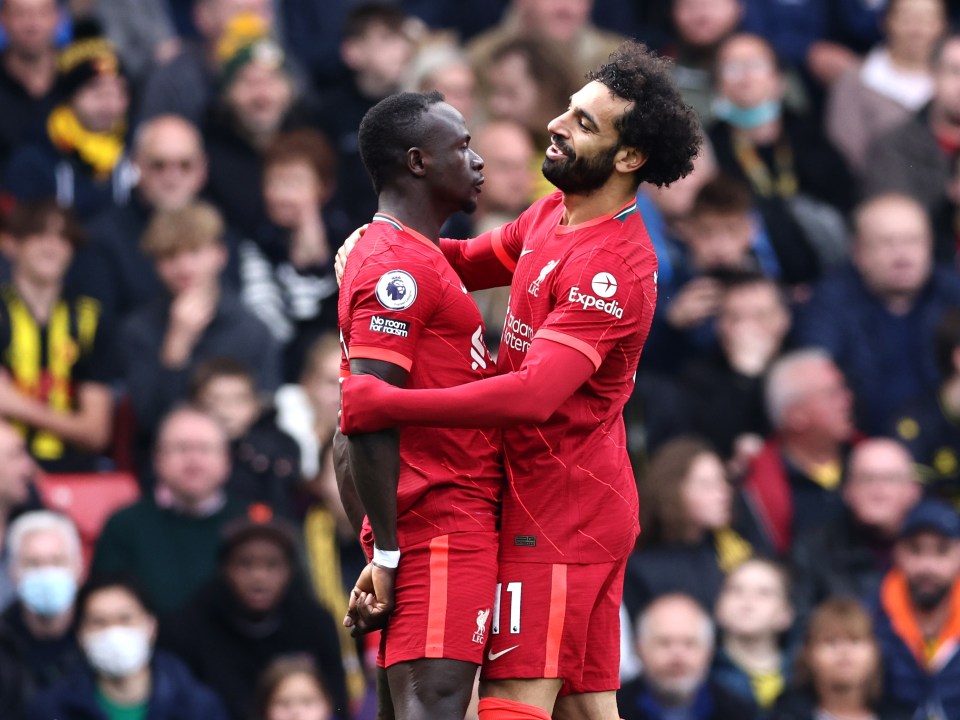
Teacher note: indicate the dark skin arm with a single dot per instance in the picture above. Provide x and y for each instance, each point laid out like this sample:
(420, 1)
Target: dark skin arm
(372, 460)
(348, 490)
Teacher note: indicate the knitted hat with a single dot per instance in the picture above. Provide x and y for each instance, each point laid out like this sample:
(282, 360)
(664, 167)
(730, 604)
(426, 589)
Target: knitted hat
(264, 51)
(246, 39)
(88, 56)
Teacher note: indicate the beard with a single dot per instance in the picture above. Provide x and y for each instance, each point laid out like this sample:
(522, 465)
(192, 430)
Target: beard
(929, 596)
(576, 175)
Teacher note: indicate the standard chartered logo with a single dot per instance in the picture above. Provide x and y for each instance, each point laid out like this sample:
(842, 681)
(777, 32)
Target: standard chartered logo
(517, 334)
(478, 350)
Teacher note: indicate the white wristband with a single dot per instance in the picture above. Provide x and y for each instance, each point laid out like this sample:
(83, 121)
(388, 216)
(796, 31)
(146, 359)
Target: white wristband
(388, 559)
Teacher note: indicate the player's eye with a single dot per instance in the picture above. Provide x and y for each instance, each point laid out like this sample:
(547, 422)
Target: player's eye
(583, 126)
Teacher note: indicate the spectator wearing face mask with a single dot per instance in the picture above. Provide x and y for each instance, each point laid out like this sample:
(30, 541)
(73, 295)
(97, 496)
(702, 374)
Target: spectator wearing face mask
(38, 631)
(123, 676)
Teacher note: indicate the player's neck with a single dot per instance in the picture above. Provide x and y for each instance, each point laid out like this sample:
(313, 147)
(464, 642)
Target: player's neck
(611, 197)
(416, 215)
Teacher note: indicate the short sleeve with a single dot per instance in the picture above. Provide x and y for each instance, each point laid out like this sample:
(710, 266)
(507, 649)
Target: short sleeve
(600, 301)
(391, 300)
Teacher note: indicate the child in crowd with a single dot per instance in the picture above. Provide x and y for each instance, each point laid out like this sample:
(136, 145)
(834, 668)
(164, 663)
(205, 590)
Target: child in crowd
(55, 351)
(753, 612)
(265, 460)
(291, 689)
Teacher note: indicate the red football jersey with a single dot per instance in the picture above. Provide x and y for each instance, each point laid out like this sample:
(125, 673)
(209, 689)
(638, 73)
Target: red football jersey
(571, 495)
(401, 302)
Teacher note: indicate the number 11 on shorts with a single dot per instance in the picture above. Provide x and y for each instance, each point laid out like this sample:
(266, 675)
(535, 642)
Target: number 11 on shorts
(515, 590)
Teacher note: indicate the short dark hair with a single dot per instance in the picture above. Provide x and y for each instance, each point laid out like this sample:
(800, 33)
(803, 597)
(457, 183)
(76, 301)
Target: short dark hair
(723, 195)
(659, 123)
(33, 217)
(112, 581)
(219, 367)
(946, 342)
(389, 129)
(363, 16)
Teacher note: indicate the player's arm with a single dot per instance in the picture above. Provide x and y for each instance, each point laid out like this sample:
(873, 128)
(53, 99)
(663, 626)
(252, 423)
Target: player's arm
(550, 374)
(374, 461)
(481, 262)
(349, 497)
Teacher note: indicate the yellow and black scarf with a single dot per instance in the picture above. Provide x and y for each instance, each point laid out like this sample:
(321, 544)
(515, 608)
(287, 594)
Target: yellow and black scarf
(100, 151)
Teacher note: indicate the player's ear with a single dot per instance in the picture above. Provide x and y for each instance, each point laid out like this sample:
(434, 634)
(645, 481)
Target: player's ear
(629, 160)
(416, 162)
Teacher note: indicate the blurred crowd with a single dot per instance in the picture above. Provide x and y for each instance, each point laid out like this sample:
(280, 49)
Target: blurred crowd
(176, 177)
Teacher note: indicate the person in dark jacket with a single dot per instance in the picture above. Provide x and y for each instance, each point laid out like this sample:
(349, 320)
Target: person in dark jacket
(256, 609)
(265, 460)
(123, 676)
(877, 317)
(675, 643)
(688, 542)
(197, 319)
(850, 556)
(839, 669)
(917, 612)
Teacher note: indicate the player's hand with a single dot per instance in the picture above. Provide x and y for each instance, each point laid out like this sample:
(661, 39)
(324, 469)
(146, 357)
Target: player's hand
(360, 397)
(348, 245)
(371, 600)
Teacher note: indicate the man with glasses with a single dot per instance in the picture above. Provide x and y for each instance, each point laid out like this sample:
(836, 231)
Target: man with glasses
(171, 168)
(168, 540)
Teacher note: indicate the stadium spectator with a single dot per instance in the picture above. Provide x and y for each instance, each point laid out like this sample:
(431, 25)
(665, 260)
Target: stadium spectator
(849, 556)
(174, 532)
(917, 616)
(46, 565)
(839, 669)
(291, 688)
(256, 609)
(894, 80)
(186, 83)
(917, 157)
(56, 350)
(699, 27)
(308, 412)
(264, 460)
(171, 169)
(17, 470)
(688, 542)
(28, 71)
(376, 48)
(256, 100)
(565, 24)
(723, 389)
(754, 613)
(800, 183)
(793, 483)
(509, 156)
(926, 424)
(124, 676)
(675, 643)
(286, 269)
(198, 318)
(877, 316)
(80, 159)
(443, 67)
(143, 32)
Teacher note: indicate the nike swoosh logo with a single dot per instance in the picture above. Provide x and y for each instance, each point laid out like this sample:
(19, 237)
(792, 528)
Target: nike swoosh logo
(491, 655)
(525, 252)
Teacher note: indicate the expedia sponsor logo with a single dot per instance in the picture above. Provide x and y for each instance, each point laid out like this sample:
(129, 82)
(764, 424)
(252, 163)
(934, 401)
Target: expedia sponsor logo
(591, 301)
(389, 326)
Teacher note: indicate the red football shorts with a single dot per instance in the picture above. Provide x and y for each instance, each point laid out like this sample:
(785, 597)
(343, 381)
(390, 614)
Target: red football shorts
(444, 600)
(557, 621)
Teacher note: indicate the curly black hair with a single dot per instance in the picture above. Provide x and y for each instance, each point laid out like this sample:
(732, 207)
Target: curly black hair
(389, 129)
(659, 124)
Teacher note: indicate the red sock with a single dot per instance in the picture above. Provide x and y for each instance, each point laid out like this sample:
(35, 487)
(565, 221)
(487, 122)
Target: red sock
(497, 709)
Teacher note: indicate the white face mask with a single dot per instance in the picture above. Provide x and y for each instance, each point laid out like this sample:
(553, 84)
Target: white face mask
(118, 651)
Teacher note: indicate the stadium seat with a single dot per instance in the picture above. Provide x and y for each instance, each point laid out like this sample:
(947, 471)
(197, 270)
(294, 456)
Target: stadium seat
(88, 499)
